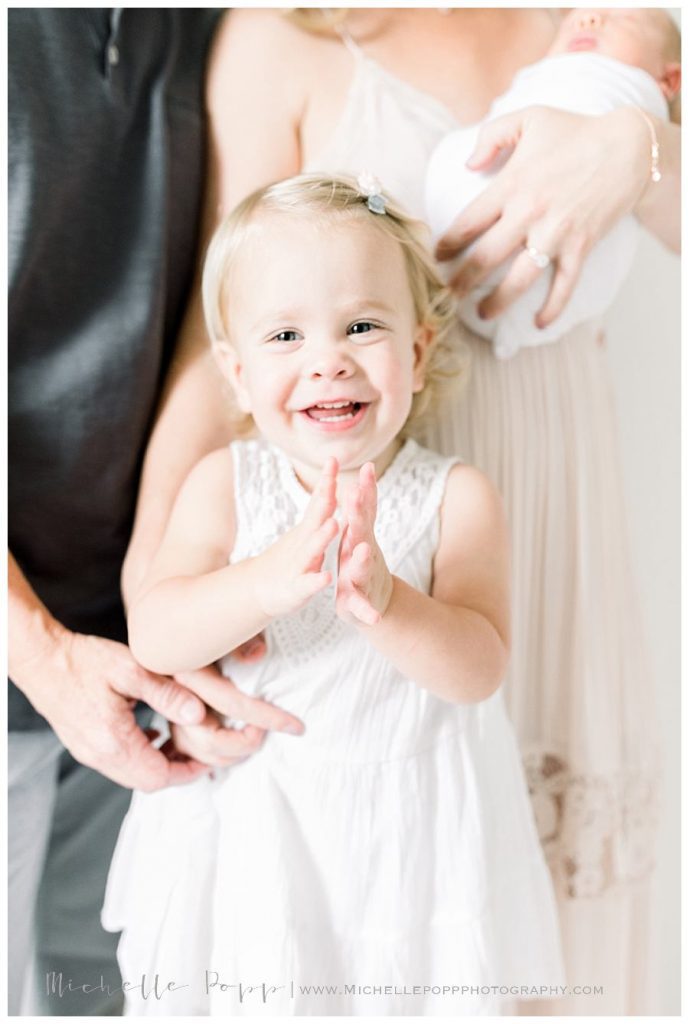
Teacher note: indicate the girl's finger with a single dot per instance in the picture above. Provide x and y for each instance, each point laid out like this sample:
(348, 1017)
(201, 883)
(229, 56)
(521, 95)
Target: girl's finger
(357, 519)
(323, 501)
(314, 550)
(369, 491)
(360, 564)
(360, 607)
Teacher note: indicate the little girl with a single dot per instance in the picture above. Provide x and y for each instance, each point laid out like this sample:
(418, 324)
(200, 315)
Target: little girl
(385, 861)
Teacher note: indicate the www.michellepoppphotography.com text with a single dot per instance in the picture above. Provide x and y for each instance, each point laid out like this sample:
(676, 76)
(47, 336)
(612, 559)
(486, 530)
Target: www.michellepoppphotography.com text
(157, 988)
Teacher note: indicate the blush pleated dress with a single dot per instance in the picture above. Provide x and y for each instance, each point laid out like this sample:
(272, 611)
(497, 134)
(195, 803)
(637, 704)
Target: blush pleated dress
(579, 691)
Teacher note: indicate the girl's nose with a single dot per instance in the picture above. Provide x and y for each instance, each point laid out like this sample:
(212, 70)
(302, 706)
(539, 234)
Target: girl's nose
(589, 19)
(331, 365)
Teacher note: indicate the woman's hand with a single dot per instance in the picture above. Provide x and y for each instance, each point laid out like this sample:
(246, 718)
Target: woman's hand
(290, 572)
(569, 179)
(364, 583)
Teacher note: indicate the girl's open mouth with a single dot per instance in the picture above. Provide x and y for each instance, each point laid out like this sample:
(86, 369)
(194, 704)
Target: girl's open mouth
(339, 415)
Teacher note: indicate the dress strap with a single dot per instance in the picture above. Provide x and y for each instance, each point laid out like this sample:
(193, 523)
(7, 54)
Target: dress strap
(264, 510)
(350, 42)
(410, 494)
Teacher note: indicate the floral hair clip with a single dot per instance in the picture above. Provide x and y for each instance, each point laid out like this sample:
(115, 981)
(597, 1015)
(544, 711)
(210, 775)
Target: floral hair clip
(370, 188)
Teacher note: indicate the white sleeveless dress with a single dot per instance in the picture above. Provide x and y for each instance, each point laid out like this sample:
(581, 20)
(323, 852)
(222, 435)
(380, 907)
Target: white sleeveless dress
(392, 845)
(578, 691)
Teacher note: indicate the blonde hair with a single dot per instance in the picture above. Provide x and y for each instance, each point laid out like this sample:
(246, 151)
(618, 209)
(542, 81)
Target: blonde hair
(331, 197)
(320, 20)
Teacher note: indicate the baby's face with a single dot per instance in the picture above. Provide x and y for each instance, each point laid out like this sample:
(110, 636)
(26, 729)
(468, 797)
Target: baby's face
(324, 351)
(635, 36)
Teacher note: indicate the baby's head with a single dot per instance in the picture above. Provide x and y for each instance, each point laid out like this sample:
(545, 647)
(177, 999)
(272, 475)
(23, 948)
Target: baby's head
(328, 319)
(643, 37)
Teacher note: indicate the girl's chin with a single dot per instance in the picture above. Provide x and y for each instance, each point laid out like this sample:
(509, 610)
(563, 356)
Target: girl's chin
(350, 456)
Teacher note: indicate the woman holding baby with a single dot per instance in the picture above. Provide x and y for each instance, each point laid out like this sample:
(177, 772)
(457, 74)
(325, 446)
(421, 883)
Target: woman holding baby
(376, 90)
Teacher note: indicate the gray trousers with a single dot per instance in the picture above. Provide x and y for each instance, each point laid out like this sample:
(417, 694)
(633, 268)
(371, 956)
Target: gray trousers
(63, 823)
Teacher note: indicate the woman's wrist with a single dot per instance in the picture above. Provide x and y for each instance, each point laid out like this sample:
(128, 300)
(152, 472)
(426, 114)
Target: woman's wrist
(658, 207)
(629, 138)
(629, 142)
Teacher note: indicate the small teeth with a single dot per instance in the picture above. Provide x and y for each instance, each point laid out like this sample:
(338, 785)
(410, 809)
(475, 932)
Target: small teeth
(332, 405)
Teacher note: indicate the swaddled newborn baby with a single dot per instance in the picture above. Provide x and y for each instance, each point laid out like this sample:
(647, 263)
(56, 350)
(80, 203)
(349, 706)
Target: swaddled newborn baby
(601, 60)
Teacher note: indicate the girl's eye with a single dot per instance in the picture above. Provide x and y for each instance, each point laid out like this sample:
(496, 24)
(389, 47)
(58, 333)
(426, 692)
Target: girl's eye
(285, 336)
(362, 327)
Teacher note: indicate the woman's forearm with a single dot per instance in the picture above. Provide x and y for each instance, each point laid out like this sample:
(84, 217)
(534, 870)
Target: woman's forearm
(453, 652)
(191, 421)
(187, 622)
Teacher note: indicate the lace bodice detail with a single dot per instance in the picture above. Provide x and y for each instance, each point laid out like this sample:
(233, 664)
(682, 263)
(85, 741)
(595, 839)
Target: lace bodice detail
(271, 500)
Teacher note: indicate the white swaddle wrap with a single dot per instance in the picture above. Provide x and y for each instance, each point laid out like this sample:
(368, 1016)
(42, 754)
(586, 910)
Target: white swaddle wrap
(584, 83)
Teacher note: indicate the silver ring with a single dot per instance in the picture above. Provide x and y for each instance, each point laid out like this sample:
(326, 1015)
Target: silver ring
(541, 259)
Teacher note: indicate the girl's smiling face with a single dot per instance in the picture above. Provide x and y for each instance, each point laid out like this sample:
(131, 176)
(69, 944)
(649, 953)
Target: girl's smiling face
(325, 350)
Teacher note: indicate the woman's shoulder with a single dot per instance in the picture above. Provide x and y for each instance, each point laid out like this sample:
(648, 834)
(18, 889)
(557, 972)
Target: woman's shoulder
(262, 69)
(272, 35)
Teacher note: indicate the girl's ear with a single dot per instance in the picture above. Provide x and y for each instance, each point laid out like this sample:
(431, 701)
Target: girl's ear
(423, 339)
(227, 358)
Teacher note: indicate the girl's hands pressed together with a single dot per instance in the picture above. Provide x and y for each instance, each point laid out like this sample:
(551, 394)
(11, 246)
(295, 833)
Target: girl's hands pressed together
(364, 582)
(291, 571)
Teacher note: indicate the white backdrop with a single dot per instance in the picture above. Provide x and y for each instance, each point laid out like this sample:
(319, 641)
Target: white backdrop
(644, 351)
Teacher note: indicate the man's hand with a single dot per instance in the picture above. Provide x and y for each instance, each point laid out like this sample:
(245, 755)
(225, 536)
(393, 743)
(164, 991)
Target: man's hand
(210, 742)
(87, 688)
(364, 583)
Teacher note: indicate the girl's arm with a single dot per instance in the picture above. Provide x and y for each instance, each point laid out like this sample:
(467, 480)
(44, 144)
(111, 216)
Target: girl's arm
(193, 607)
(454, 642)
